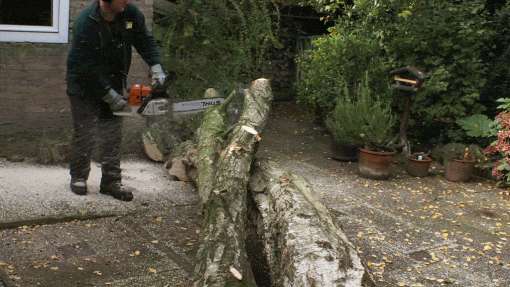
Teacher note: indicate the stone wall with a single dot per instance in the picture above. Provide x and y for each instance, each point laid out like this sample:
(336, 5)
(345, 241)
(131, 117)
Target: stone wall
(32, 82)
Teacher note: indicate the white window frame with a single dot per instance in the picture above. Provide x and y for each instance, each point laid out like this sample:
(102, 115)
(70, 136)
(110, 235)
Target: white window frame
(57, 33)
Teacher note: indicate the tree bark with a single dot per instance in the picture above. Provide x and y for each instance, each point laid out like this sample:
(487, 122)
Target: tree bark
(209, 144)
(222, 259)
(302, 244)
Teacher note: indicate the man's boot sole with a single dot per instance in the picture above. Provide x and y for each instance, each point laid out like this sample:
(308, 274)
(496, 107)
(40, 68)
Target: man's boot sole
(123, 196)
(79, 190)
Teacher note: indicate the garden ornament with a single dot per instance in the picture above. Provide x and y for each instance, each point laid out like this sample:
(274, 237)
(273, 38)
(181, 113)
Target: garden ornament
(408, 80)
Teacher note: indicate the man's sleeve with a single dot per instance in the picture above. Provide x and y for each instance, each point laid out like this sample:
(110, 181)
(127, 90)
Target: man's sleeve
(144, 41)
(87, 61)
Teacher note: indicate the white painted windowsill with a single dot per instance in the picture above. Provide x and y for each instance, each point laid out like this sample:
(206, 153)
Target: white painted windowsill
(57, 33)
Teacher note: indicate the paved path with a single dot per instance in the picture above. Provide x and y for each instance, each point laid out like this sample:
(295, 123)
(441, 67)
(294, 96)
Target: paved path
(410, 231)
(147, 242)
(35, 193)
(418, 232)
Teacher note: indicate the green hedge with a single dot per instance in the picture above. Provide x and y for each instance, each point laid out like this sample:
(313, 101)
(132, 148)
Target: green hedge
(446, 39)
(335, 66)
(498, 56)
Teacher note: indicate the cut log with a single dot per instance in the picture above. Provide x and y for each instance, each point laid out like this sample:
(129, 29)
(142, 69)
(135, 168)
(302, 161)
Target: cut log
(209, 144)
(178, 170)
(221, 258)
(302, 244)
(150, 147)
(182, 163)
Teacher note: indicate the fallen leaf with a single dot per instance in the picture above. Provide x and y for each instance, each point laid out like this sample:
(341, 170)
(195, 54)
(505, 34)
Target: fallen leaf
(136, 253)
(236, 273)
(152, 270)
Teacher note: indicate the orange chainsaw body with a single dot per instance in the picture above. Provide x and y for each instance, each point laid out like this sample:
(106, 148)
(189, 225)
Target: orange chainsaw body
(137, 93)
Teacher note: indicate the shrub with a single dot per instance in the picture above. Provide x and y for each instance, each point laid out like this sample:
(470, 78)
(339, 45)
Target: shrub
(334, 68)
(444, 38)
(378, 123)
(500, 148)
(345, 120)
(363, 119)
(497, 55)
(478, 126)
(220, 43)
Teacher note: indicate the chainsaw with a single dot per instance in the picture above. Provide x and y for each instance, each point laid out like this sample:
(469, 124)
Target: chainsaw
(147, 101)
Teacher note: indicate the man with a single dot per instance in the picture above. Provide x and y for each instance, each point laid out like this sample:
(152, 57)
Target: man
(97, 66)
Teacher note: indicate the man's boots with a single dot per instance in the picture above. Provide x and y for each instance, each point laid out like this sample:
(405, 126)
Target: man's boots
(117, 190)
(79, 186)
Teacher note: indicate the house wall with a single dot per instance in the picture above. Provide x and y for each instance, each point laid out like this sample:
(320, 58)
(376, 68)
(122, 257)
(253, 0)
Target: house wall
(32, 82)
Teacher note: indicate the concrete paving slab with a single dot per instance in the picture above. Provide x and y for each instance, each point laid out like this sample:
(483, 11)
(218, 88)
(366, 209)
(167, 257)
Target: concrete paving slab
(113, 251)
(34, 193)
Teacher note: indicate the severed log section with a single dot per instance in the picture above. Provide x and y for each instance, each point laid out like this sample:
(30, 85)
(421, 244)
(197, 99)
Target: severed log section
(150, 147)
(222, 259)
(209, 144)
(302, 244)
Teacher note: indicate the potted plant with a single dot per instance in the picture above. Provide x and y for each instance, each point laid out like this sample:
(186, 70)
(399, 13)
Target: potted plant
(343, 125)
(418, 164)
(468, 159)
(461, 166)
(376, 133)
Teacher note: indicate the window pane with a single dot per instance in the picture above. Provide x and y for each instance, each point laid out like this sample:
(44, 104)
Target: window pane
(26, 12)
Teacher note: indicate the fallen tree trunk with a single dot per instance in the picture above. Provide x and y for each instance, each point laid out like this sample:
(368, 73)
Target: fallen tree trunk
(222, 259)
(302, 244)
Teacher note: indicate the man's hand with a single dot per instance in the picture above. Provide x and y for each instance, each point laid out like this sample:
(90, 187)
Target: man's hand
(158, 76)
(115, 100)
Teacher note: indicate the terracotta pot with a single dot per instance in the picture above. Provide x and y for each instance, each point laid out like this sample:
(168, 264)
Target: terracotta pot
(417, 167)
(459, 170)
(344, 152)
(375, 165)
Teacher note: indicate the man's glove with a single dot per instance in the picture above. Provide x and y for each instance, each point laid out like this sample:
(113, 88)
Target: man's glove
(158, 76)
(115, 100)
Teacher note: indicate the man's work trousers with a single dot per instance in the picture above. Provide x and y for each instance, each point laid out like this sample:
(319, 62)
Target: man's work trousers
(93, 119)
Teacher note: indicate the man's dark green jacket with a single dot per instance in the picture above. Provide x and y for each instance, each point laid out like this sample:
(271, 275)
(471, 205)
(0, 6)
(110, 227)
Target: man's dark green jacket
(100, 55)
